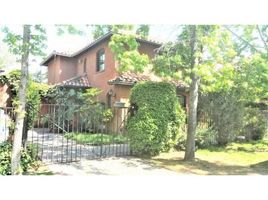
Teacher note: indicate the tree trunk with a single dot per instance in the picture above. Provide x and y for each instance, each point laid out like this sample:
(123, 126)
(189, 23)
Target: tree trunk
(192, 120)
(192, 114)
(15, 159)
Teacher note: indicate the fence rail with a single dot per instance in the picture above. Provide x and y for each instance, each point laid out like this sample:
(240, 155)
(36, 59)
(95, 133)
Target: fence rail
(65, 134)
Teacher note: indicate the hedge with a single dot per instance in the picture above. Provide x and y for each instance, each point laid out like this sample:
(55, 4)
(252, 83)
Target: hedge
(156, 118)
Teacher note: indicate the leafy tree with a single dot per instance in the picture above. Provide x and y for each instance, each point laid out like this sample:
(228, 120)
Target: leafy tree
(30, 43)
(100, 30)
(251, 45)
(224, 111)
(125, 48)
(21, 45)
(143, 31)
(200, 53)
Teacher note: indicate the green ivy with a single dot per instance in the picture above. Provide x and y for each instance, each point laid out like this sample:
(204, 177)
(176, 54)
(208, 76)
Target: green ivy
(33, 97)
(28, 158)
(156, 119)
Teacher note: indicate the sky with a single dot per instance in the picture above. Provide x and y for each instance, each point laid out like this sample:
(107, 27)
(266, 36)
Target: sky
(72, 43)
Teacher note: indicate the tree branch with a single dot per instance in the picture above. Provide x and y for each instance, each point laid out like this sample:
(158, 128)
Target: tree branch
(258, 28)
(242, 39)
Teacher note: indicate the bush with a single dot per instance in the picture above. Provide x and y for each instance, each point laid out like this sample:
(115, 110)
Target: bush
(5, 158)
(33, 95)
(225, 113)
(156, 118)
(28, 157)
(181, 141)
(205, 138)
(255, 125)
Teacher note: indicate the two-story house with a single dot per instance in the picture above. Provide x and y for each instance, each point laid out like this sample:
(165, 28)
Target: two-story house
(95, 66)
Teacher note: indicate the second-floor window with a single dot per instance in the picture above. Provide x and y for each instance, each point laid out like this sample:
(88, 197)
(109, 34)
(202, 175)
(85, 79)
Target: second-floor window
(85, 65)
(100, 60)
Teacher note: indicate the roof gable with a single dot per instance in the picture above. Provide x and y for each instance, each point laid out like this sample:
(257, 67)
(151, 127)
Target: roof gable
(91, 45)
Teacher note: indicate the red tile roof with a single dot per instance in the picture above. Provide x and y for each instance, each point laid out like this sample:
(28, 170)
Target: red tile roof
(130, 78)
(77, 81)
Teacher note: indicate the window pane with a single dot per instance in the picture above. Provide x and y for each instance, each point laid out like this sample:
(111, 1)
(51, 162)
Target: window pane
(85, 65)
(100, 60)
(101, 67)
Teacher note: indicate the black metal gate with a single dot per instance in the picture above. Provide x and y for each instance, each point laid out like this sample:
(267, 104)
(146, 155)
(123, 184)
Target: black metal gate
(64, 134)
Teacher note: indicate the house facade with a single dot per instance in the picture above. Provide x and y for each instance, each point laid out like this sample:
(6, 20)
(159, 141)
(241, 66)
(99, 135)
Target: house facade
(94, 66)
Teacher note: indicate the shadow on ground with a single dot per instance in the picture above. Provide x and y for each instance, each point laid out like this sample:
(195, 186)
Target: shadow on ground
(260, 168)
(203, 167)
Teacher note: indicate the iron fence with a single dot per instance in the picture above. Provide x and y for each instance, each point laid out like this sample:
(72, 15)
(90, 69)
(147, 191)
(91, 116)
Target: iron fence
(66, 134)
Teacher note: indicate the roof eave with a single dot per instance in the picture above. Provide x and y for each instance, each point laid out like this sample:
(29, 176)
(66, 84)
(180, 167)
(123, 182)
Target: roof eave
(104, 37)
(53, 54)
(121, 83)
(74, 86)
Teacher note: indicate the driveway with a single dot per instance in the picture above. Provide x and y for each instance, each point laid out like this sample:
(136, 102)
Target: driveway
(54, 148)
(109, 166)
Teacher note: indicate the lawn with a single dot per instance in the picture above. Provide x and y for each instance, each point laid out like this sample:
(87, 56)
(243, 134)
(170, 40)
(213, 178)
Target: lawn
(39, 169)
(235, 159)
(96, 139)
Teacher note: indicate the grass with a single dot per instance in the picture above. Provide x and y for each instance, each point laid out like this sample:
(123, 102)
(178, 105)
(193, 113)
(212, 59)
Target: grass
(253, 146)
(235, 159)
(39, 169)
(96, 139)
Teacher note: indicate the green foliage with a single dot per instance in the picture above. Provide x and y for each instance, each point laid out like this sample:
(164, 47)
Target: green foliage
(213, 53)
(252, 77)
(157, 120)
(93, 111)
(252, 146)
(5, 158)
(79, 101)
(90, 96)
(65, 96)
(68, 99)
(96, 139)
(71, 29)
(12, 79)
(225, 112)
(254, 124)
(205, 138)
(34, 93)
(36, 45)
(28, 158)
(100, 30)
(125, 48)
(143, 31)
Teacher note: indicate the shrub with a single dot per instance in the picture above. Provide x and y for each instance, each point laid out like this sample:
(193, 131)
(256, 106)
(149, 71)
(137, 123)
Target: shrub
(225, 113)
(205, 138)
(255, 125)
(28, 157)
(156, 119)
(181, 140)
(33, 96)
(5, 158)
